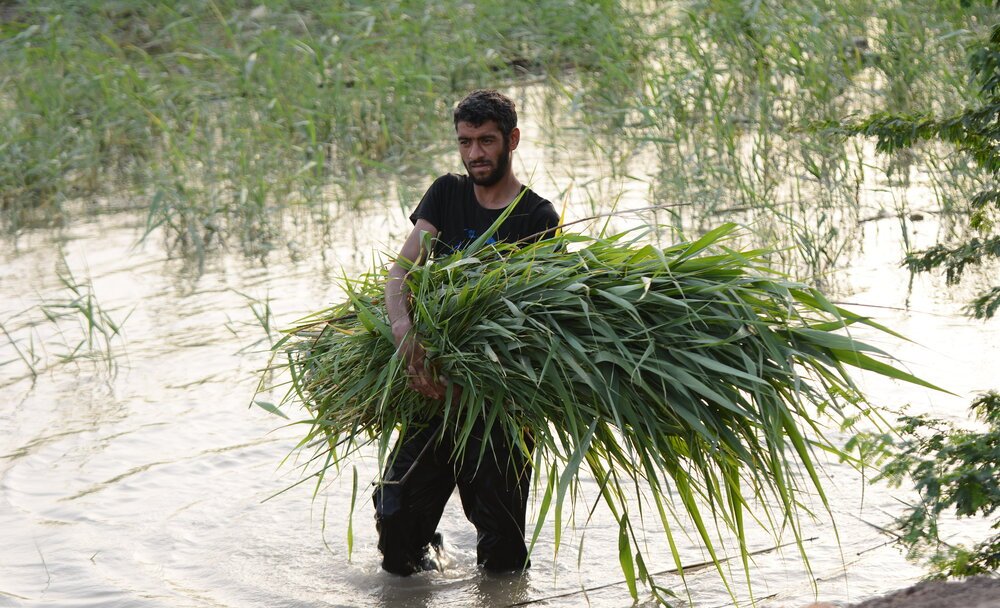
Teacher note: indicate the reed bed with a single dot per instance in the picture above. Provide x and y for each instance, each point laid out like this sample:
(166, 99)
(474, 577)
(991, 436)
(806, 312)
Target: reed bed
(734, 108)
(223, 118)
(693, 375)
(234, 122)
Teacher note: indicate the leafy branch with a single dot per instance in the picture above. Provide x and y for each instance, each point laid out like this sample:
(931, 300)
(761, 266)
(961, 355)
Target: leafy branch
(974, 131)
(952, 469)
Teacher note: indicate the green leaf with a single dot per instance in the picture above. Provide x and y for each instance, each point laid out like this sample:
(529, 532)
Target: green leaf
(270, 407)
(625, 557)
(350, 516)
(867, 363)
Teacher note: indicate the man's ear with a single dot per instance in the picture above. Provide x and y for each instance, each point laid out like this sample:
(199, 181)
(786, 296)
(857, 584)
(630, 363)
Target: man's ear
(515, 137)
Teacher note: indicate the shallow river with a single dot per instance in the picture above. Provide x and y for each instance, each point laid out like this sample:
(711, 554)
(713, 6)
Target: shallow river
(144, 484)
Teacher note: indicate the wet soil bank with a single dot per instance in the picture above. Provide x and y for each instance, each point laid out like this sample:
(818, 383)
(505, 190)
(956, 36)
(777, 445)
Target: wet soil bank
(980, 592)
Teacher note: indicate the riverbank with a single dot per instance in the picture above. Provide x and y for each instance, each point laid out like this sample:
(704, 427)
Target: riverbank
(979, 592)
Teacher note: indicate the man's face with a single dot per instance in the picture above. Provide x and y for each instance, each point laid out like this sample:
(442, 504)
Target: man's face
(485, 153)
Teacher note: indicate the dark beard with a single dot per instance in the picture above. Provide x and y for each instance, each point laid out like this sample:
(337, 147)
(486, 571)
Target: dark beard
(498, 173)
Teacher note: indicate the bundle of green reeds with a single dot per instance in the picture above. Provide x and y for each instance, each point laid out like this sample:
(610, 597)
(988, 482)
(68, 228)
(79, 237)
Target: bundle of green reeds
(692, 371)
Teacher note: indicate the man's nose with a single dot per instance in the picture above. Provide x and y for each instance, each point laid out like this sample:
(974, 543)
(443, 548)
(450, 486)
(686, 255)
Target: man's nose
(476, 150)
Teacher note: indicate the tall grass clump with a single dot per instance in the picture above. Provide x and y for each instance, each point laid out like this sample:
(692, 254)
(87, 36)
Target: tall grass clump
(732, 105)
(220, 117)
(691, 379)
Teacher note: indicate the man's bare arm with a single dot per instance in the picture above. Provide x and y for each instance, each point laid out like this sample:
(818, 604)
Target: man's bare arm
(397, 307)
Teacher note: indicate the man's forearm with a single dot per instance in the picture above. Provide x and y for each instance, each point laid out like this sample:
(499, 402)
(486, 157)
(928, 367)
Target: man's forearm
(396, 302)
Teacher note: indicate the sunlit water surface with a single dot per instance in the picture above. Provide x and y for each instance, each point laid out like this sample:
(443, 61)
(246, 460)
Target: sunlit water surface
(144, 484)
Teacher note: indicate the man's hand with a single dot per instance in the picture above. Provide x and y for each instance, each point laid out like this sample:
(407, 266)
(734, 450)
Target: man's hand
(422, 378)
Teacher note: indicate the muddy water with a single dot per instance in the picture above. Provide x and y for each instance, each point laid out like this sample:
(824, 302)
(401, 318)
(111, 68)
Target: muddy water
(143, 483)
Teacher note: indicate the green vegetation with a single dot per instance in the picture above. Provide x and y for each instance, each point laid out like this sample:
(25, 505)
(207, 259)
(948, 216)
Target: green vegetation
(975, 132)
(69, 328)
(241, 122)
(690, 379)
(220, 116)
(953, 469)
(732, 103)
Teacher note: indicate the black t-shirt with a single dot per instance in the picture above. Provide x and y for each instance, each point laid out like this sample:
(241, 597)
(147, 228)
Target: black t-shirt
(450, 205)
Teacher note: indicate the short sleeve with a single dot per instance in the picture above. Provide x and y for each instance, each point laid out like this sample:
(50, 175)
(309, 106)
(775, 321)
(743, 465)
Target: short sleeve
(431, 206)
(544, 221)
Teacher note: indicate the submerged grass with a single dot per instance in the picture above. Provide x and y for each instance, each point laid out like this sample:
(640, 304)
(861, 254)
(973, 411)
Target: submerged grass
(69, 328)
(692, 378)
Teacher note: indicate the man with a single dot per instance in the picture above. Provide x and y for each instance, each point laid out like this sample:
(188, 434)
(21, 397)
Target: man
(455, 210)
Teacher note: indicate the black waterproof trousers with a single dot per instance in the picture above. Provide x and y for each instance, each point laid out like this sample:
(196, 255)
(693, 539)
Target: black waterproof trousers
(494, 492)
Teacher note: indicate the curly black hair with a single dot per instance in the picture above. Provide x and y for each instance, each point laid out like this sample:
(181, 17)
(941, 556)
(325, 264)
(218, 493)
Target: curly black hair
(487, 104)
